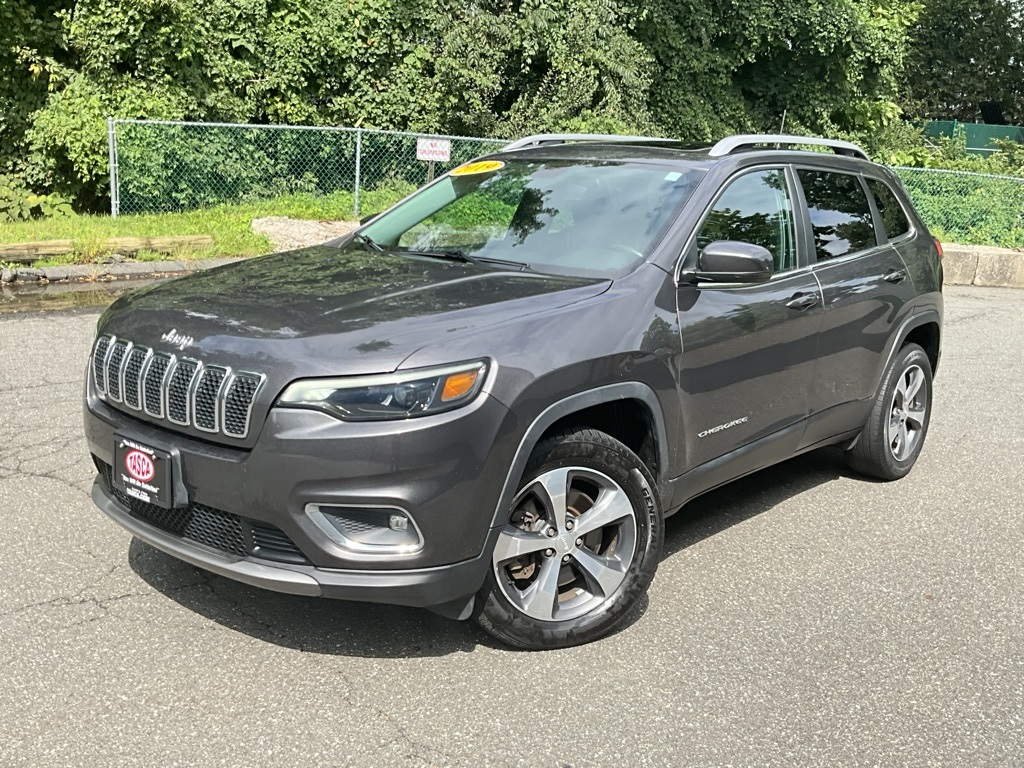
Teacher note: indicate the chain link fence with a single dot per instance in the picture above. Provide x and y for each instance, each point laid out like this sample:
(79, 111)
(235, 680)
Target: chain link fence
(162, 166)
(159, 166)
(968, 208)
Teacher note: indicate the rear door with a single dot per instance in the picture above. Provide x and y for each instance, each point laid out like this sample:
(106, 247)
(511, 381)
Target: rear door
(865, 285)
(748, 351)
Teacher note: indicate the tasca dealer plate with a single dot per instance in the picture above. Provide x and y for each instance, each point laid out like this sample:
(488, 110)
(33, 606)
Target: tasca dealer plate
(142, 472)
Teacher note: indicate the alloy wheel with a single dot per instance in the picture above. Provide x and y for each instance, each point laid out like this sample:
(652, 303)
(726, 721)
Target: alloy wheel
(568, 544)
(907, 413)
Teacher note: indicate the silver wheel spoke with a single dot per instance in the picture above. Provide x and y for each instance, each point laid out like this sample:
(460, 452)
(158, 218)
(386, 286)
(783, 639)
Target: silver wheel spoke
(541, 597)
(603, 574)
(916, 379)
(552, 487)
(904, 439)
(901, 389)
(513, 543)
(915, 416)
(611, 505)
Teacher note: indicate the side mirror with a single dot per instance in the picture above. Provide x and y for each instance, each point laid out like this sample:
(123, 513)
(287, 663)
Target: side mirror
(731, 261)
(368, 218)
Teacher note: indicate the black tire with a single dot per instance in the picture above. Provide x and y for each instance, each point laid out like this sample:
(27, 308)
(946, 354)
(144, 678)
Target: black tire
(598, 470)
(874, 453)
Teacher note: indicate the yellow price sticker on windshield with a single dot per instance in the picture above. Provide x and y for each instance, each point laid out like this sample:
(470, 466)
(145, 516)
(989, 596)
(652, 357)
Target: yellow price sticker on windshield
(483, 166)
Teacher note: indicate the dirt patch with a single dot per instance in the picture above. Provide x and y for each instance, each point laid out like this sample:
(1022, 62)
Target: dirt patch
(286, 234)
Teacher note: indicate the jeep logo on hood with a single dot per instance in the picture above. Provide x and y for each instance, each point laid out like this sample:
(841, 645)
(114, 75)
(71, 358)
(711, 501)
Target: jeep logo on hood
(176, 339)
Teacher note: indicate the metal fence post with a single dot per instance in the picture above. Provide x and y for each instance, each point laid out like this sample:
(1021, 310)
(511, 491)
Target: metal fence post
(359, 157)
(115, 182)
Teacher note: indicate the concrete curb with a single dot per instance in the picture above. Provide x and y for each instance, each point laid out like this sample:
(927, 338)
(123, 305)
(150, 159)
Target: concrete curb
(983, 266)
(108, 272)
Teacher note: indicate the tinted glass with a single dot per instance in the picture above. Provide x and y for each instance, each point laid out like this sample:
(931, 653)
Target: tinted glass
(588, 218)
(755, 208)
(840, 215)
(894, 220)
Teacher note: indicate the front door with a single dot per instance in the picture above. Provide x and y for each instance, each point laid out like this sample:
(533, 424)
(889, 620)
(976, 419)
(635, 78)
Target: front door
(748, 351)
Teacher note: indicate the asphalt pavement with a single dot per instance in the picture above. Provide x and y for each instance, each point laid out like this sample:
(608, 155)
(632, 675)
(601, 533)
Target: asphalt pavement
(802, 616)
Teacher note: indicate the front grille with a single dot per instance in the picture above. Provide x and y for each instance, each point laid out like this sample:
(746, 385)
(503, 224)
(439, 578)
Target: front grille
(184, 391)
(215, 528)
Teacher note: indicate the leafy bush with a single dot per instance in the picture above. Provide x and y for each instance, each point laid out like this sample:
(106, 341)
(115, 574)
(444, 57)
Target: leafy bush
(18, 203)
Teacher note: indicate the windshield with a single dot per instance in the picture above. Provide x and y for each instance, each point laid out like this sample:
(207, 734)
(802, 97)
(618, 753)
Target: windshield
(587, 218)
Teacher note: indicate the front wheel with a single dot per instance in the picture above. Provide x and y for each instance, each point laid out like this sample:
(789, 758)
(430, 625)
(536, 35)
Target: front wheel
(579, 548)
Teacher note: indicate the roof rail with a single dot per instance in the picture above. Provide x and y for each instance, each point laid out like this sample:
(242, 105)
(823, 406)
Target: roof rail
(564, 138)
(731, 144)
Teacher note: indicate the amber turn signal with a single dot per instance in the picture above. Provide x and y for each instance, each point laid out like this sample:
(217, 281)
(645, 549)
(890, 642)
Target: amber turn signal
(458, 384)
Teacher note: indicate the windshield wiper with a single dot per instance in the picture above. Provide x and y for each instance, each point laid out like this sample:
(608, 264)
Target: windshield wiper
(455, 254)
(449, 255)
(520, 265)
(368, 241)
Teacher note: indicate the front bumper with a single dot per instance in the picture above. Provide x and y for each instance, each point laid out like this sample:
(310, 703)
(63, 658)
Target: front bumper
(423, 587)
(447, 471)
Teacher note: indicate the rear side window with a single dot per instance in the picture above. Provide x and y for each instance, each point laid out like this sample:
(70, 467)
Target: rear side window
(756, 208)
(840, 214)
(894, 220)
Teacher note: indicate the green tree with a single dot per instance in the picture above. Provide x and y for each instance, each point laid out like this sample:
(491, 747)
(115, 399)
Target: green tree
(964, 52)
(831, 67)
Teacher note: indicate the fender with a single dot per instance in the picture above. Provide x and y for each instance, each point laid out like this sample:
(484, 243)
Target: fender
(914, 321)
(627, 390)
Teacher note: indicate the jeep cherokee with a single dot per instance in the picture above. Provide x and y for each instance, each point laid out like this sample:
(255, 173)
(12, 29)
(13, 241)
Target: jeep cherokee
(486, 400)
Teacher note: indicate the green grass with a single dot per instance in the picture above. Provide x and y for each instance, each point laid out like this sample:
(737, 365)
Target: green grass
(230, 225)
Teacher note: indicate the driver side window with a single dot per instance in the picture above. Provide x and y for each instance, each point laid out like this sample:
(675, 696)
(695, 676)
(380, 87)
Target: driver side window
(755, 208)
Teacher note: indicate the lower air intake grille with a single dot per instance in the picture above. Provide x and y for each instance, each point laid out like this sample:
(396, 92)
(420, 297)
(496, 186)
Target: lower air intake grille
(212, 527)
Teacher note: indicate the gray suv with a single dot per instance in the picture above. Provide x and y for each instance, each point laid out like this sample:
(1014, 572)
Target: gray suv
(487, 400)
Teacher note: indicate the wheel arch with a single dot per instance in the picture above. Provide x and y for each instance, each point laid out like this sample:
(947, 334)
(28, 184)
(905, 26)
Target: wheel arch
(922, 328)
(581, 409)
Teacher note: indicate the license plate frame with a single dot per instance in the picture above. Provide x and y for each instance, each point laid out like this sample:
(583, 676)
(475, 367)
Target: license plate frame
(143, 472)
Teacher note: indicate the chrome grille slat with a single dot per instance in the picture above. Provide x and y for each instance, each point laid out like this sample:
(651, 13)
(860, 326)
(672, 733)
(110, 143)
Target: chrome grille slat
(99, 362)
(179, 390)
(184, 391)
(131, 376)
(115, 359)
(153, 391)
(206, 399)
(239, 396)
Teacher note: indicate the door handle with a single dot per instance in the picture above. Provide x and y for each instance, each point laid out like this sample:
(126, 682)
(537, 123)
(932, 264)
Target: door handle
(802, 301)
(895, 276)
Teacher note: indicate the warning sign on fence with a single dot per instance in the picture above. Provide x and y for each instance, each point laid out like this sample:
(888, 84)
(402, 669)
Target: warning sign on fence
(434, 150)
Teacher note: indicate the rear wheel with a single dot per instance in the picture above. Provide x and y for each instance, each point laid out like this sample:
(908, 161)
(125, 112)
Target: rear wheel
(579, 547)
(895, 431)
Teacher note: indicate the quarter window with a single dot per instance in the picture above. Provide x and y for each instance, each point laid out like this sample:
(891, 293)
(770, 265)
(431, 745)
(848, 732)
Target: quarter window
(756, 208)
(894, 220)
(840, 214)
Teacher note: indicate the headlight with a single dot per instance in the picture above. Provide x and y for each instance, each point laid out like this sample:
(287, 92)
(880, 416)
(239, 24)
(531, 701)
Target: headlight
(391, 395)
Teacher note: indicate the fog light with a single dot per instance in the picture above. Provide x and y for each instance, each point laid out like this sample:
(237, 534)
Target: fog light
(368, 530)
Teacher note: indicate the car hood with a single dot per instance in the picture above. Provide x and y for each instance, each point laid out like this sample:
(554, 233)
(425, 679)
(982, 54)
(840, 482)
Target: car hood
(331, 311)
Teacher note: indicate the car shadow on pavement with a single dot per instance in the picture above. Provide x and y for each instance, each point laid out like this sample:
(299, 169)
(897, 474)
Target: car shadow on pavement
(344, 628)
(310, 624)
(750, 496)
